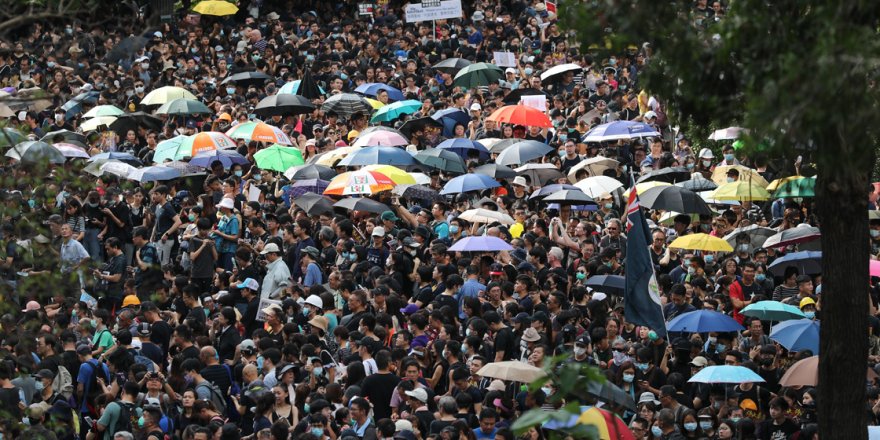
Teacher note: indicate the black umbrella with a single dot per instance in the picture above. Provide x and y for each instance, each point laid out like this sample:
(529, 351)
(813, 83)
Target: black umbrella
(513, 97)
(314, 204)
(611, 394)
(496, 171)
(134, 120)
(674, 198)
(698, 184)
(64, 136)
(345, 105)
(670, 174)
(125, 49)
(361, 204)
(247, 78)
(452, 65)
(570, 197)
(308, 88)
(416, 192)
(311, 171)
(607, 283)
(419, 124)
(284, 104)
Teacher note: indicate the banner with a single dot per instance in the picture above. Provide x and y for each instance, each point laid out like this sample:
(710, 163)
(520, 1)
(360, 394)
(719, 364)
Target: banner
(551, 7)
(504, 59)
(366, 8)
(416, 12)
(265, 302)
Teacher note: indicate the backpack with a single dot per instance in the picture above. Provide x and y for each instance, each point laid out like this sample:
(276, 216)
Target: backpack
(217, 398)
(141, 359)
(93, 393)
(128, 417)
(62, 379)
(234, 390)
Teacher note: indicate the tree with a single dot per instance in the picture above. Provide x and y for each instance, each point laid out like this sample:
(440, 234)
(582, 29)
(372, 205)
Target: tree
(801, 75)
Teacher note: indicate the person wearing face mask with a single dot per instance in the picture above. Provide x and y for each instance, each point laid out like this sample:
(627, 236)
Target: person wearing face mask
(808, 306)
(664, 426)
(729, 156)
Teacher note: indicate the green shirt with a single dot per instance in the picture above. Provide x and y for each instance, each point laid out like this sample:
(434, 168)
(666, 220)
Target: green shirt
(103, 340)
(111, 416)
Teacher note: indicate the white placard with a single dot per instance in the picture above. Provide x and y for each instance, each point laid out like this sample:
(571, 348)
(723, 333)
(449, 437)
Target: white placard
(366, 8)
(254, 193)
(415, 12)
(504, 59)
(535, 101)
(265, 302)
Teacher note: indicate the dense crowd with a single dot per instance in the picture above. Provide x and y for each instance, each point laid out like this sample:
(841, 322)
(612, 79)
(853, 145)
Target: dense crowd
(198, 308)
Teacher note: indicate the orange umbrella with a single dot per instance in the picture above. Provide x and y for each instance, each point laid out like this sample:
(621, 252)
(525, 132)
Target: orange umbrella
(359, 182)
(806, 373)
(521, 115)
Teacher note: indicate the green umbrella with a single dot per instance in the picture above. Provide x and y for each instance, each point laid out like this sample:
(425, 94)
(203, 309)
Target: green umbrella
(169, 149)
(183, 106)
(797, 188)
(10, 137)
(278, 158)
(104, 110)
(478, 74)
(394, 110)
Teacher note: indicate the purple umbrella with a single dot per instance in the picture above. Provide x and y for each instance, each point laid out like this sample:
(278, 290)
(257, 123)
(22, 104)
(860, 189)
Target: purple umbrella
(482, 243)
(301, 187)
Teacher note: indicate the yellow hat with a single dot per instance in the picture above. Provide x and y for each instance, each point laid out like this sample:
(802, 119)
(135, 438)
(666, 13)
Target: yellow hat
(224, 117)
(807, 302)
(352, 134)
(131, 300)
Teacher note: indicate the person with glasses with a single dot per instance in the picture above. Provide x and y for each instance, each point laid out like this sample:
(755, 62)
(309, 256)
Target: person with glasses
(613, 237)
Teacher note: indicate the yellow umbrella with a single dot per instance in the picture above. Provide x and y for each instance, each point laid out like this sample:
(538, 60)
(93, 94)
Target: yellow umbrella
(399, 176)
(215, 7)
(779, 182)
(642, 187)
(164, 95)
(740, 190)
(331, 157)
(747, 174)
(375, 104)
(701, 242)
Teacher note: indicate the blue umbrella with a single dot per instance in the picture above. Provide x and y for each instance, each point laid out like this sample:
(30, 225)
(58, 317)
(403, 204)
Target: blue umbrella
(122, 157)
(726, 374)
(378, 156)
(395, 110)
(292, 88)
(482, 243)
(372, 89)
(316, 186)
(797, 335)
(772, 311)
(550, 189)
(607, 283)
(469, 182)
(450, 117)
(617, 130)
(463, 147)
(226, 157)
(808, 262)
(702, 321)
(153, 174)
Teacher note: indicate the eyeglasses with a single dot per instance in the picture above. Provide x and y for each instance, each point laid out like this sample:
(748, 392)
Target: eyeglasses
(611, 228)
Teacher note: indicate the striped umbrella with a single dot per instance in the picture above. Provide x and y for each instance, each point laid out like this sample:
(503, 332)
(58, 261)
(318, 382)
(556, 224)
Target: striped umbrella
(397, 175)
(259, 131)
(359, 182)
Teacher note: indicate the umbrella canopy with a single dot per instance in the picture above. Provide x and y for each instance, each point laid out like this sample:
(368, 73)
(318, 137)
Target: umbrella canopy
(381, 138)
(451, 65)
(11, 136)
(611, 394)
(774, 185)
(314, 204)
(122, 157)
(772, 311)
(183, 106)
(554, 73)
(515, 371)
(310, 171)
(807, 262)
(608, 424)
(373, 89)
(259, 131)
(215, 7)
(226, 157)
(607, 283)
(359, 182)
(642, 187)
(668, 174)
(166, 94)
(63, 136)
(805, 372)
(727, 133)
(570, 197)
(545, 191)
(71, 151)
(698, 183)
(114, 167)
(522, 152)
(797, 235)
(182, 147)
(362, 204)
(596, 186)
(805, 187)
(465, 148)
(103, 110)
(496, 171)
(96, 123)
(376, 128)
(515, 96)
(284, 104)
(617, 130)
(593, 166)
(397, 175)
(378, 155)
(480, 243)
(539, 173)
(477, 74)
(5, 111)
(741, 191)
(702, 321)
(293, 88)
(186, 169)
(674, 198)
(419, 124)
(153, 174)
(395, 110)
(416, 192)
(346, 105)
(449, 118)
(135, 120)
(521, 115)
(308, 87)
(726, 374)
(500, 145)
(36, 152)
(469, 182)
(300, 187)
(125, 49)
(331, 157)
(797, 335)
(701, 242)
(746, 174)
(247, 78)
(757, 235)
(278, 158)
(480, 215)
(443, 160)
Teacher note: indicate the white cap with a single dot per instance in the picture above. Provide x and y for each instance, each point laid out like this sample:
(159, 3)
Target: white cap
(510, 70)
(402, 425)
(249, 283)
(315, 300)
(650, 114)
(520, 180)
(157, 34)
(226, 203)
(476, 106)
(378, 231)
(270, 248)
(418, 393)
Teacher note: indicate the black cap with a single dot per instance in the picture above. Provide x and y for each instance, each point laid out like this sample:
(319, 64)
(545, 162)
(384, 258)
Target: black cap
(583, 339)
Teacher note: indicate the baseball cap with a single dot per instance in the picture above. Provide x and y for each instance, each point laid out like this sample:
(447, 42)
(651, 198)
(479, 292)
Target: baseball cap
(83, 349)
(270, 248)
(389, 216)
(378, 231)
(476, 106)
(418, 393)
(249, 283)
(144, 329)
(45, 374)
(510, 70)
(248, 346)
(699, 361)
(522, 318)
(312, 252)
(583, 339)
(32, 305)
(495, 269)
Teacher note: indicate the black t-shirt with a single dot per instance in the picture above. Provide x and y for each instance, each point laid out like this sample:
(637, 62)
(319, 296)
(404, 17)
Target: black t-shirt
(203, 265)
(218, 375)
(160, 334)
(445, 300)
(505, 341)
(767, 430)
(115, 266)
(122, 212)
(378, 388)
(9, 397)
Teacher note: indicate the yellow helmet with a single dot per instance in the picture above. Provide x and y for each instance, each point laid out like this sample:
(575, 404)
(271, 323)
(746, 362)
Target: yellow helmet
(807, 302)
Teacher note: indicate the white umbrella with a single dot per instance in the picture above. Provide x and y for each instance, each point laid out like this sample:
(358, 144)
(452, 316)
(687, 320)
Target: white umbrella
(560, 69)
(480, 215)
(517, 371)
(120, 169)
(597, 185)
(93, 123)
(728, 133)
(594, 166)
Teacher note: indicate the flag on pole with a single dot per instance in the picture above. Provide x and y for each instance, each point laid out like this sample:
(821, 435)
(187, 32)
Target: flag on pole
(551, 7)
(641, 297)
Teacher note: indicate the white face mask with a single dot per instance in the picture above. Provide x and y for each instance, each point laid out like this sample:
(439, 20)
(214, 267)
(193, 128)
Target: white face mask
(580, 351)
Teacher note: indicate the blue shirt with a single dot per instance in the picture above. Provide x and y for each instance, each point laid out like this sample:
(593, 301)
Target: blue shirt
(441, 230)
(470, 289)
(485, 435)
(313, 275)
(85, 377)
(228, 226)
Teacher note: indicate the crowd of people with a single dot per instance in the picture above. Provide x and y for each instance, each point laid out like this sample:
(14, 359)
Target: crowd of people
(189, 309)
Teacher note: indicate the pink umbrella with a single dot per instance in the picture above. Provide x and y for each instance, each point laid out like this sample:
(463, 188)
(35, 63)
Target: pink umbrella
(381, 138)
(874, 268)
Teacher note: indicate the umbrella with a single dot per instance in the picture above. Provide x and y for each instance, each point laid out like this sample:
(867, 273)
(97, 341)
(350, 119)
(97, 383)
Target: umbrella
(36, 99)
(516, 371)
(550, 189)
(611, 394)
(443, 160)
(362, 204)
(791, 236)
(64, 136)
(94, 168)
(378, 155)
(397, 175)
(521, 115)
(674, 198)
(594, 166)
(314, 204)
(376, 128)
(570, 197)
(308, 87)
(259, 131)
(669, 174)
(805, 372)
(596, 186)
(707, 196)
(36, 152)
(103, 110)
(772, 311)
(797, 335)
(450, 117)
(419, 124)
(135, 120)
(284, 104)
(496, 171)
(480, 215)
(183, 106)
(376, 105)
(11, 136)
(125, 49)
(481, 243)
(278, 158)
(310, 171)
(539, 173)
(381, 138)
(395, 110)
(373, 89)
(122, 157)
(292, 88)
(330, 158)
(642, 187)
(70, 150)
(727, 133)
(463, 148)
(246, 79)
(215, 7)
(607, 283)
(552, 73)
(502, 144)
(757, 235)
(608, 424)
(451, 65)
(774, 185)
(186, 169)
(701, 242)
(416, 192)
(617, 130)
(95, 124)
(477, 74)
(703, 321)
(153, 174)
(469, 182)
(359, 182)
(300, 187)
(346, 105)
(726, 374)
(746, 174)
(182, 147)
(805, 187)
(698, 183)
(741, 191)
(522, 152)
(515, 96)
(114, 167)
(807, 262)
(226, 157)
(5, 111)
(166, 94)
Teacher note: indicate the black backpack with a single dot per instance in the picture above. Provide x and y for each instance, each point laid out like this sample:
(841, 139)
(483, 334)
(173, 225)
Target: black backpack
(128, 417)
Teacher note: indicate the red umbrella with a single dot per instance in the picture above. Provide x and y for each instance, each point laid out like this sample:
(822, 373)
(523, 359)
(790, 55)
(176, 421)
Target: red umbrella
(521, 115)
